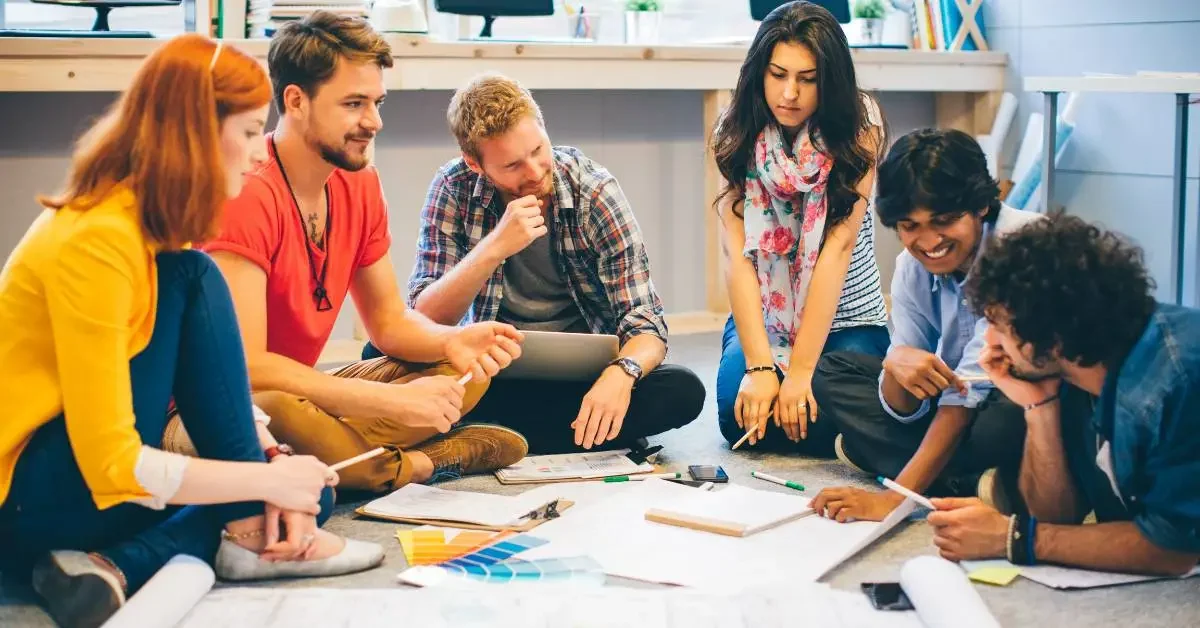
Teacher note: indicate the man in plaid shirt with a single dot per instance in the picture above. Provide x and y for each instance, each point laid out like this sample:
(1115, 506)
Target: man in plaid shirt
(520, 231)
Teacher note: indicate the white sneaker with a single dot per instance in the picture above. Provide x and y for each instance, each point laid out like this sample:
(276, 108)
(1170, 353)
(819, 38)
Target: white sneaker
(237, 563)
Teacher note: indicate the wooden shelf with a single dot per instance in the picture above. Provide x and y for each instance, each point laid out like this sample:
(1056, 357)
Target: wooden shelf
(1134, 84)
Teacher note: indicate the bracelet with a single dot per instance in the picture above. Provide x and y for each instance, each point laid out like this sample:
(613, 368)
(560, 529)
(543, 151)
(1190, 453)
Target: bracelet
(755, 369)
(1021, 532)
(1047, 400)
(229, 536)
(1008, 540)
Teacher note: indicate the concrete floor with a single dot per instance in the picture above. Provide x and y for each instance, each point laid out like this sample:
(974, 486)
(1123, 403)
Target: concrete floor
(1023, 603)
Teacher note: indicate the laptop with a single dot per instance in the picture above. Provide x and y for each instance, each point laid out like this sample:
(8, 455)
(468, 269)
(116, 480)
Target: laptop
(562, 356)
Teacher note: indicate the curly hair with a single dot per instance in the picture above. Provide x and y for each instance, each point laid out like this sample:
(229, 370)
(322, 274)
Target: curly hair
(488, 105)
(1065, 285)
(942, 170)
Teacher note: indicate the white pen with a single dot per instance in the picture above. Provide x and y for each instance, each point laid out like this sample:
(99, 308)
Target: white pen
(913, 495)
(462, 381)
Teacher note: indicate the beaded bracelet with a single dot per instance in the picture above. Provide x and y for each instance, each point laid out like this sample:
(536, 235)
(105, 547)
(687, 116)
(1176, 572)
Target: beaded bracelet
(755, 369)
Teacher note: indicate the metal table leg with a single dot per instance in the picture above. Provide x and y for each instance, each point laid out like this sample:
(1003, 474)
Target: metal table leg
(1179, 195)
(1050, 134)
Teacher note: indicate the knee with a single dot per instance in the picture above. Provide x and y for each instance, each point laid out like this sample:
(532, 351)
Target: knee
(369, 352)
(327, 500)
(185, 264)
(685, 394)
(281, 407)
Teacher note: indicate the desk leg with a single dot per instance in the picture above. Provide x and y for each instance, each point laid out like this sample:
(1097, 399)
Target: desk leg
(1049, 137)
(716, 296)
(1179, 194)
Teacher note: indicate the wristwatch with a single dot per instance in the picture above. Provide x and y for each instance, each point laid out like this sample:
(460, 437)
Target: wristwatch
(281, 449)
(630, 366)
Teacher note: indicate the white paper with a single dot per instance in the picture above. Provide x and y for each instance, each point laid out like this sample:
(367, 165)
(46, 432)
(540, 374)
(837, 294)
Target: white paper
(942, 595)
(615, 532)
(418, 501)
(588, 465)
(1057, 577)
(167, 596)
(530, 606)
(737, 505)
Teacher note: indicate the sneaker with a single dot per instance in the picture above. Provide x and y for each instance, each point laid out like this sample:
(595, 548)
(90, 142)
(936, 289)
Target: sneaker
(992, 491)
(839, 450)
(78, 593)
(475, 448)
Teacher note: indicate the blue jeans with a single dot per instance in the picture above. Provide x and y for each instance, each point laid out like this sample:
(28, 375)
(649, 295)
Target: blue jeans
(868, 339)
(195, 355)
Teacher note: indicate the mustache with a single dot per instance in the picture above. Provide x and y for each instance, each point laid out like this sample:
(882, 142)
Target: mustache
(361, 136)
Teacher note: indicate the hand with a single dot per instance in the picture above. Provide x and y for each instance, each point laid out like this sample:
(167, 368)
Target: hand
(845, 503)
(921, 373)
(603, 410)
(796, 406)
(435, 401)
(964, 528)
(755, 400)
(483, 349)
(295, 483)
(521, 224)
(299, 543)
(998, 366)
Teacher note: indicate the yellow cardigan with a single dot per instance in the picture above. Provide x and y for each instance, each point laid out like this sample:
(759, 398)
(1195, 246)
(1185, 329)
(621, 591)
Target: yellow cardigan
(77, 302)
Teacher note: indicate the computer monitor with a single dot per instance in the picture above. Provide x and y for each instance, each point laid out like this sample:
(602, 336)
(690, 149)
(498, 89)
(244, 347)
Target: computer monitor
(100, 27)
(839, 8)
(489, 10)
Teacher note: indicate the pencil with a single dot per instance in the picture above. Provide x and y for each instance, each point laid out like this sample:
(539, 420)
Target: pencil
(462, 381)
(357, 459)
(745, 436)
(916, 497)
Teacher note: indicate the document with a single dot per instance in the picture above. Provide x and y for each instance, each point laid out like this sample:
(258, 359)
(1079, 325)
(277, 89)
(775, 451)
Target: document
(417, 501)
(581, 466)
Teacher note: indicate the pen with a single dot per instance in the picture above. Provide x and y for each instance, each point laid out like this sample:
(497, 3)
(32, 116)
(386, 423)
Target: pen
(629, 478)
(780, 481)
(916, 497)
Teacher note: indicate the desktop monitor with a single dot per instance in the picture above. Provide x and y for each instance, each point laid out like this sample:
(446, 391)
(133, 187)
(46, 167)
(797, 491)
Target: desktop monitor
(489, 10)
(839, 8)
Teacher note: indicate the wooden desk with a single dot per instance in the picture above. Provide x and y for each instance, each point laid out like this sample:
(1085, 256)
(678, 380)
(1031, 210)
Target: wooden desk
(966, 85)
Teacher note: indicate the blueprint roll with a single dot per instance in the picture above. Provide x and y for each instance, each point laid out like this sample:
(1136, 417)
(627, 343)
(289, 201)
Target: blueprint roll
(942, 595)
(167, 597)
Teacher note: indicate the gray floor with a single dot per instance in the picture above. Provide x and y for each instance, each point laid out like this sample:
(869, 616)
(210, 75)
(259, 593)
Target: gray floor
(1023, 603)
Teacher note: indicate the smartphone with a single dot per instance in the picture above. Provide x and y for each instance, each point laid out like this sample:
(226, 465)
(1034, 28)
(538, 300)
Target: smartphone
(707, 473)
(887, 596)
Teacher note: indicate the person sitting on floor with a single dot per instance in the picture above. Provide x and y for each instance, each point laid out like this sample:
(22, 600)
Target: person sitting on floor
(799, 231)
(310, 228)
(543, 238)
(107, 317)
(1109, 381)
(920, 415)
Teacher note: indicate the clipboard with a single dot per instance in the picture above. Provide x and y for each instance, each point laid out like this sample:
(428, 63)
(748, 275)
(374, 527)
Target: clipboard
(551, 510)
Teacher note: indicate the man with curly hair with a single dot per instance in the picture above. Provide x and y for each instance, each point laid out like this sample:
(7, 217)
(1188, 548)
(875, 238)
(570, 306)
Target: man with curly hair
(1110, 385)
(925, 415)
(541, 237)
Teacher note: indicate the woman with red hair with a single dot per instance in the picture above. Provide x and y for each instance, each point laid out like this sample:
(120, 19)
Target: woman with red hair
(108, 316)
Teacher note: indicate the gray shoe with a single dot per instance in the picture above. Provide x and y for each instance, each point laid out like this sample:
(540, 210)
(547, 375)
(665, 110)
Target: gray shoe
(77, 592)
(238, 563)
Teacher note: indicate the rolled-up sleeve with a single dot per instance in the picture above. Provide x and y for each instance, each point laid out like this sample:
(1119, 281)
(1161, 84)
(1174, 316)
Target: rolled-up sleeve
(440, 242)
(1169, 513)
(968, 367)
(911, 327)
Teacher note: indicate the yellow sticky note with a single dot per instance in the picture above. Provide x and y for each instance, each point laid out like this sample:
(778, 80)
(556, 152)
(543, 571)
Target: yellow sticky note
(999, 576)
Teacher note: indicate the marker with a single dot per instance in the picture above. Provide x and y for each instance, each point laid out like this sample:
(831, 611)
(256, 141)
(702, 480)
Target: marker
(916, 497)
(646, 476)
(780, 481)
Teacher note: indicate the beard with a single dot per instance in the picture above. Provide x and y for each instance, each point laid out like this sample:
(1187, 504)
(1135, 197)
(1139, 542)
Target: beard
(539, 189)
(1036, 371)
(343, 157)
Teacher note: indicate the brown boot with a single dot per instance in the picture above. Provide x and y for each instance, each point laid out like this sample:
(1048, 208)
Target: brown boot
(475, 448)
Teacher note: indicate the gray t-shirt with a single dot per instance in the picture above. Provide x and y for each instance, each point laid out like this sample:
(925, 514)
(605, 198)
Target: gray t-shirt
(536, 295)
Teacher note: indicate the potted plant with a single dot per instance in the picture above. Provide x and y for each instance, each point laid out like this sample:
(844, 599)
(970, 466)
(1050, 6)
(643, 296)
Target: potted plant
(870, 14)
(643, 18)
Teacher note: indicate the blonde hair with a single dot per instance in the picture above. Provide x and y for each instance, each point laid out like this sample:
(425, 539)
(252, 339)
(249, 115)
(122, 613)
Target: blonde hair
(488, 106)
(305, 52)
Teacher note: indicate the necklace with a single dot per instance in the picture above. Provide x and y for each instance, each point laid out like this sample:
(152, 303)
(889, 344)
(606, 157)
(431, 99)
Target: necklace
(320, 296)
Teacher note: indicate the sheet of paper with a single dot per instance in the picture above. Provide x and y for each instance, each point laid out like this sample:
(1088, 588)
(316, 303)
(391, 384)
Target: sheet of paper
(738, 505)
(541, 606)
(1057, 577)
(598, 464)
(942, 595)
(615, 532)
(167, 596)
(427, 502)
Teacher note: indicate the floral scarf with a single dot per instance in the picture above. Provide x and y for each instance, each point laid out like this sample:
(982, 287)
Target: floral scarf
(785, 210)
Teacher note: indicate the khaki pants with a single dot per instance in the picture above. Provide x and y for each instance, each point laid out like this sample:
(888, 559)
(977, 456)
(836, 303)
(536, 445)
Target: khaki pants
(311, 430)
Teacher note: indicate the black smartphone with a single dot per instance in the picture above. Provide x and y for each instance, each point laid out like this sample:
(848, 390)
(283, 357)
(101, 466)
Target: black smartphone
(887, 596)
(707, 473)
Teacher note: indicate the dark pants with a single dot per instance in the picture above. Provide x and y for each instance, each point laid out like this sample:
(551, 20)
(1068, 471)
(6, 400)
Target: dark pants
(195, 355)
(848, 384)
(870, 340)
(668, 397)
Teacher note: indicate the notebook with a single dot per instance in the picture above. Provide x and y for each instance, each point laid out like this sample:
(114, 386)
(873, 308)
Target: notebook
(572, 467)
(732, 511)
(420, 504)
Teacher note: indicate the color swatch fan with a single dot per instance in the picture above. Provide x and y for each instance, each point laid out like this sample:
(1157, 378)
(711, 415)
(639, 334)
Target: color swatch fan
(436, 558)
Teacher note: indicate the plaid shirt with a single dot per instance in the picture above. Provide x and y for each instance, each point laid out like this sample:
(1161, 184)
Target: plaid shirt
(596, 244)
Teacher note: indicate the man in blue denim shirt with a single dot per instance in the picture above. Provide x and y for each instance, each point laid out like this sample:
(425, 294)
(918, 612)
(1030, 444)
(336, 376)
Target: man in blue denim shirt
(920, 415)
(1110, 384)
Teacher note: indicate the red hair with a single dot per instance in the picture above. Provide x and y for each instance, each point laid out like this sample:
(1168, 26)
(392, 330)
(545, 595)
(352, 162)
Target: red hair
(162, 139)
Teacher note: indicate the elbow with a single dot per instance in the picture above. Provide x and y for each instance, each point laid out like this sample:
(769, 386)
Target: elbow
(1172, 564)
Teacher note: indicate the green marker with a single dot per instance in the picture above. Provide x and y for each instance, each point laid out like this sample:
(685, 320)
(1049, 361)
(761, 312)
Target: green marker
(629, 478)
(780, 481)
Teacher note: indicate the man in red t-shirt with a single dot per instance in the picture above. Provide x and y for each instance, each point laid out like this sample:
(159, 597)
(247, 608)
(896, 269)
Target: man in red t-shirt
(310, 227)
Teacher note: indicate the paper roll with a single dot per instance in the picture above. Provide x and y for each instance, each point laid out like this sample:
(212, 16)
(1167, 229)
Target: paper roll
(167, 597)
(942, 595)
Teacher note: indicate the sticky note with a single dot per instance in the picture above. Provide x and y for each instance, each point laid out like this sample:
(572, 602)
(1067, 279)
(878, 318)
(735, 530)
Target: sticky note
(999, 576)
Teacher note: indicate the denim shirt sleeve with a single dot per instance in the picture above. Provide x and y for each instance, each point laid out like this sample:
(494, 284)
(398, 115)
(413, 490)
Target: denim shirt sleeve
(968, 366)
(911, 326)
(1169, 515)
